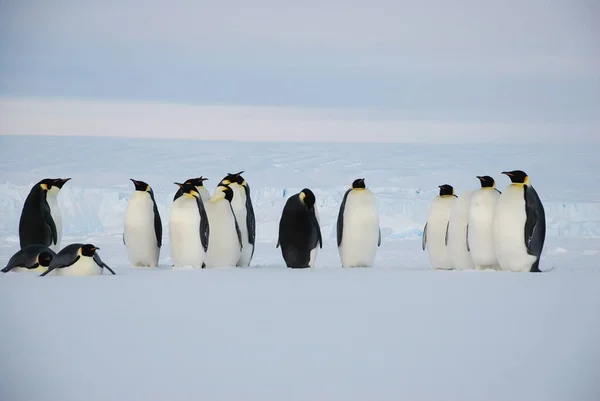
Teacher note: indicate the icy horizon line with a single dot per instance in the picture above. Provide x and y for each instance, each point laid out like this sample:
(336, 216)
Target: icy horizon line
(35, 116)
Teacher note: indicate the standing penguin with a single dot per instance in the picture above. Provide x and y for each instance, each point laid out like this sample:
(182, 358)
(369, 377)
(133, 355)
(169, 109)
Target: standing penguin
(199, 184)
(36, 225)
(358, 233)
(188, 228)
(142, 234)
(57, 185)
(436, 228)
(32, 258)
(77, 260)
(244, 213)
(480, 232)
(519, 225)
(299, 231)
(225, 237)
(458, 249)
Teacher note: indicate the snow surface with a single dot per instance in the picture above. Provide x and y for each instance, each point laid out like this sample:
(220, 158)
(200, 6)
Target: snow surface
(396, 331)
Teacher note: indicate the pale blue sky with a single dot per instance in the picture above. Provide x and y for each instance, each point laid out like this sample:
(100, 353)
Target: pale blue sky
(461, 60)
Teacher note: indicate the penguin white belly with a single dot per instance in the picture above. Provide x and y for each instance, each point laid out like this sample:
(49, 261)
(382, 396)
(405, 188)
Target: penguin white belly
(457, 232)
(238, 204)
(184, 234)
(56, 216)
(85, 266)
(38, 270)
(481, 232)
(139, 234)
(509, 231)
(361, 230)
(437, 222)
(223, 244)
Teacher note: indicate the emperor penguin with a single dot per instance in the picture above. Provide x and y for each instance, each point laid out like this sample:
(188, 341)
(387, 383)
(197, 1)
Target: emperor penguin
(32, 258)
(199, 184)
(358, 232)
(55, 209)
(480, 232)
(436, 228)
(519, 225)
(36, 225)
(77, 260)
(457, 232)
(225, 237)
(142, 234)
(188, 229)
(299, 230)
(244, 213)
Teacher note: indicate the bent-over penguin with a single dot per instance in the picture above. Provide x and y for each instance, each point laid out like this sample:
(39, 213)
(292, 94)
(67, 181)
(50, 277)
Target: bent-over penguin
(358, 233)
(457, 232)
(480, 234)
(519, 225)
(299, 230)
(188, 229)
(32, 258)
(436, 228)
(77, 260)
(199, 184)
(36, 225)
(52, 199)
(142, 234)
(225, 240)
(244, 213)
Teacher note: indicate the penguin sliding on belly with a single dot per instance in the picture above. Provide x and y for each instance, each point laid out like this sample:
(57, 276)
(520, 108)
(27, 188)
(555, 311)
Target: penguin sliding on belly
(52, 199)
(436, 229)
(358, 233)
(199, 184)
(36, 225)
(244, 213)
(188, 229)
(142, 234)
(225, 238)
(458, 249)
(77, 260)
(299, 231)
(519, 225)
(32, 258)
(480, 234)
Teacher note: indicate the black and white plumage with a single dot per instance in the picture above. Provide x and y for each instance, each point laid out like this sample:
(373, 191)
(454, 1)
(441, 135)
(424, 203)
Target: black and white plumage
(36, 225)
(198, 182)
(52, 199)
(299, 230)
(30, 258)
(77, 260)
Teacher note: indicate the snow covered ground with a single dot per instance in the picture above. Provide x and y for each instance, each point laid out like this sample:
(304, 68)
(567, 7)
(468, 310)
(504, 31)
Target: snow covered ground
(397, 331)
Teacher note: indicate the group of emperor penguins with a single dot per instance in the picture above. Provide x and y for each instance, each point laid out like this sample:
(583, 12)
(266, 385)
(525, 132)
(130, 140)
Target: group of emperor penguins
(486, 228)
(205, 230)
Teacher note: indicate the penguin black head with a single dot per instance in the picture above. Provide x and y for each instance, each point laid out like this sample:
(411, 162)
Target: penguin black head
(88, 250)
(44, 259)
(198, 182)
(59, 182)
(517, 176)
(446, 190)
(307, 196)
(359, 183)
(227, 191)
(46, 184)
(233, 178)
(141, 186)
(189, 189)
(486, 181)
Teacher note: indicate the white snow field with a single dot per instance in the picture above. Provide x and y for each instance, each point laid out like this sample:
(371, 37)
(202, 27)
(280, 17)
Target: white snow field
(398, 331)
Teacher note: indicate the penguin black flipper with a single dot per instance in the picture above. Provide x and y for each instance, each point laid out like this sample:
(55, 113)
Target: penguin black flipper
(204, 226)
(315, 222)
(60, 262)
(379, 239)
(124, 239)
(250, 219)
(424, 241)
(157, 221)
(340, 219)
(237, 227)
(99, 262)
(18, 259)
(467, 239)
(535, 224)
(446, 237)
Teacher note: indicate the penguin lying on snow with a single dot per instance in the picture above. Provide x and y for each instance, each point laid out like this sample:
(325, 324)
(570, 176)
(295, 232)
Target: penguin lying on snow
(299, 231)
(36, 225)
(77, 260)
(30, 258)
(519, 225)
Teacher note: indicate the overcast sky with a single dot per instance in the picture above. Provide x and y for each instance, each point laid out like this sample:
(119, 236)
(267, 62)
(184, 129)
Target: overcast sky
(465, 60)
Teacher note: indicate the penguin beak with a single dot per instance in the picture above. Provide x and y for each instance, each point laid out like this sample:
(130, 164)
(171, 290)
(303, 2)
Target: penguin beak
(95, 249)
(134, 181)
(65, 180)
(480, 178)
(507, 173)
(203, 179)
